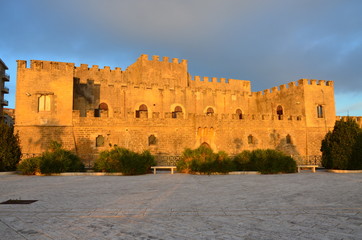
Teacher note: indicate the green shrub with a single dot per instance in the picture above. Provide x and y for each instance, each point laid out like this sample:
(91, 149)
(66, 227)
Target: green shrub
(57, 160)
(124, 161)
(10, 152)
(29, 166)
(204, 160)
(270, 161)
(242, 161)
(266, 161)
(356, 158)
(341, 148)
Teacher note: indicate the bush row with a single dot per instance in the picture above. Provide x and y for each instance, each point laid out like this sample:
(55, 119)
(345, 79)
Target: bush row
(266, 161)
(204, 160)
(200, 160)
(124, 161)
(57, 160)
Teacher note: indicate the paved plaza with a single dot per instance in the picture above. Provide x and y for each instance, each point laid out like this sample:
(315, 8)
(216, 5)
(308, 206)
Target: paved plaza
(287, 206)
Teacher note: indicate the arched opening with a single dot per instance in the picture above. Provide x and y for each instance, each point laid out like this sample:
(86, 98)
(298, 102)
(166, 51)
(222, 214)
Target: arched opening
(288, 139)
(99, 141)
(103, 106)
(177, 113)
(250, 139)
(142, 112)
(320, 113)
(152, 140)
(239, 114)
(205, 144)
(102, 110)
(210, 112)
(280, 112)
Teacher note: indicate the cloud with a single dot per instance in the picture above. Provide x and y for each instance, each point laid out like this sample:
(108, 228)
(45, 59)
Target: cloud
(267, 42)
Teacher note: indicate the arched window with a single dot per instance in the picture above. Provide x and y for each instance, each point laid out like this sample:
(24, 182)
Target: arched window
(250, 139)
(288, 139)
(102, 108)
(320, 112)
(152, 140)
(99, 141)
(210, 111)
(280, 112)
(205, 145)
(142, 112)
(44, 103)
(177, 113)
(239, 114)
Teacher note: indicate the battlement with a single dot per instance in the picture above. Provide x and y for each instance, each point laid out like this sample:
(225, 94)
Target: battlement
(96, 68)
(208, 79)
(45, 65)
(357, 119)
(220, 83)
(156, 58)
(296, 84)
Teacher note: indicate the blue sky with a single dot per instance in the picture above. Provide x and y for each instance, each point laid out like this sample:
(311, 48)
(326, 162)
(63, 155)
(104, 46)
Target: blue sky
(267, 42)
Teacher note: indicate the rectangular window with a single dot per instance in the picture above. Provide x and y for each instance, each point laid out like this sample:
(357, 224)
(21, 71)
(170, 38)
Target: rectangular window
(44, 103)
(320, 111)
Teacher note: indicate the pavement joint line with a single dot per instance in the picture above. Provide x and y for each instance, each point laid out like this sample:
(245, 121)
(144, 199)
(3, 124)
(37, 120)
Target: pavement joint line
(202, 206)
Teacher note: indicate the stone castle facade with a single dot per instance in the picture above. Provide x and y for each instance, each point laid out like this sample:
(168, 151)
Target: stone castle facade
(157, 105)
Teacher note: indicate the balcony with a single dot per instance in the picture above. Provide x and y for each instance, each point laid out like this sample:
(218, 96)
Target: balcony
(4, 103)
(5, 90)
(6, 77)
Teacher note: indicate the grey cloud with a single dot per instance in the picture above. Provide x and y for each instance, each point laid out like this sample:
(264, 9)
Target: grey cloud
(267, 42)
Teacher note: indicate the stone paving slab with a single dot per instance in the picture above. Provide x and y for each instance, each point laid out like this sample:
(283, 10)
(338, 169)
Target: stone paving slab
(290, 206)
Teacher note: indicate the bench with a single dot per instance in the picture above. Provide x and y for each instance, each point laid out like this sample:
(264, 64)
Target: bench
(312, 167)
(163, 167)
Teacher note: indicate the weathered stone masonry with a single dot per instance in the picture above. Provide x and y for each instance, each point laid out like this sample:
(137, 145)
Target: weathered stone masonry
(157, 105)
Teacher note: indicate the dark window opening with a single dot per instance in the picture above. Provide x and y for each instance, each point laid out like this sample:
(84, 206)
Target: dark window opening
(320, 113)
(280, 112)
(250, 139)
(177, 113)
(210, 111)
(239, 114)
(97, 113)
(142, 112)
(102, 109)
(152, 140)
(99, 141)
(288, 139)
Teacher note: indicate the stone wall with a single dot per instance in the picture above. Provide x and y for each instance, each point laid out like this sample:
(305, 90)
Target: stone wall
(158, 106)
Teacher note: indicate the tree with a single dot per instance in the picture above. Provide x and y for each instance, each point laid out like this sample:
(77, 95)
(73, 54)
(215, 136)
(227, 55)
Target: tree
(338, 146)
(10, 152)
(356, 160)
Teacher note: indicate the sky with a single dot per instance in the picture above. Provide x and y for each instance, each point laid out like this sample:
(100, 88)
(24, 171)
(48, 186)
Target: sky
(268, 42)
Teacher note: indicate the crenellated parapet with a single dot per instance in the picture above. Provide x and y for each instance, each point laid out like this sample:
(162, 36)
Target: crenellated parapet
(156, 58)
(296, 85)
(357, 119)
(95, 68)
(223, 84)
(45, 65)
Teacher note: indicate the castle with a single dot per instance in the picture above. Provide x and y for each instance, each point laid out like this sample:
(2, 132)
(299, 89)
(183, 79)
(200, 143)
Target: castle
(157, 105)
